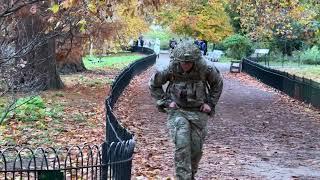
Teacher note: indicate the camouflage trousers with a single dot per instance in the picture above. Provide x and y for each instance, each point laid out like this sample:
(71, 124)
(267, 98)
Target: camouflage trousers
(187, 130)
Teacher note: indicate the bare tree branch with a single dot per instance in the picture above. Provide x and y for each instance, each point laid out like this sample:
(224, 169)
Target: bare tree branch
(16, 6)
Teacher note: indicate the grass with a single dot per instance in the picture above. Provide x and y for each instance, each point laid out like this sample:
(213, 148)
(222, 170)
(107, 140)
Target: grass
(292, 67)
(3, 102)
(163, 35)
(285, 64)
(117, 61)
(85, 80)
(19, 129)
(301, 70)
(307, 72)
(225, 59)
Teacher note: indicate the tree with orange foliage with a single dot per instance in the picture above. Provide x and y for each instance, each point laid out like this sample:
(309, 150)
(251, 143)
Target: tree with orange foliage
(203, 19)
(35, 34)
(263, 20)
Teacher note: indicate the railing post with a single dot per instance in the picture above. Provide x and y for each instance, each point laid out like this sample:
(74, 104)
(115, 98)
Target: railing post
(105, 160)
(50, 175)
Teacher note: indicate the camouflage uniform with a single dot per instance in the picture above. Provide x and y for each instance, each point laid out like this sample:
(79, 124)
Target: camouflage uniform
(190, 90)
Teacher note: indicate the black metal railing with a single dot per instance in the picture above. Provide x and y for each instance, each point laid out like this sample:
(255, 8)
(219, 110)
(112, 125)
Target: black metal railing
(299, 88)
(76, 162)
(116, 133)
(118, 157)
(110, 160)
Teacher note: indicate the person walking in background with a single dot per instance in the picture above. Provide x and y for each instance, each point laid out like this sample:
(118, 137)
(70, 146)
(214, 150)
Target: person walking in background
(197, 43)
(130, 44)
(172, 45)
(205, 47)
(141, 41)
(150, 44)
(156, 47)
(192, 93)
(200, 46)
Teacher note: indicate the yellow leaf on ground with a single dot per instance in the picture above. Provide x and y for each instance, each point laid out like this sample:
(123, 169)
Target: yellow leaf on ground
(54, 8)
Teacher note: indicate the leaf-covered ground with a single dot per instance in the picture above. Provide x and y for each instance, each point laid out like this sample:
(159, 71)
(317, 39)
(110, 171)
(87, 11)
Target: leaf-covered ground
(79, 114)
(257, 133)
(70, 116)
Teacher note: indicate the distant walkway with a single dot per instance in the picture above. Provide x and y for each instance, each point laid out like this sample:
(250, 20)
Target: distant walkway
(163, 62)
(256, 134)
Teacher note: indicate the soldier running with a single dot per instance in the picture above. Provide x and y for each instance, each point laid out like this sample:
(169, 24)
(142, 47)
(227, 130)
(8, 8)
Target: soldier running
(191, 96)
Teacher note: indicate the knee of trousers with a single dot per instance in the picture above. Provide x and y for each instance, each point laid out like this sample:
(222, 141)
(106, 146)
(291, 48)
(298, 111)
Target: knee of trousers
(181, 132)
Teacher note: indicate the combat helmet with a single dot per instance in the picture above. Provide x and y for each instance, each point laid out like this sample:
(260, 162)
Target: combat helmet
(186, 52)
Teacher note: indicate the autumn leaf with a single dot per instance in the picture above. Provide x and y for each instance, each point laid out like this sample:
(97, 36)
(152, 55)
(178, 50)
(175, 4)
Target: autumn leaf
(92, 7)
(82, 24)
(54, 8)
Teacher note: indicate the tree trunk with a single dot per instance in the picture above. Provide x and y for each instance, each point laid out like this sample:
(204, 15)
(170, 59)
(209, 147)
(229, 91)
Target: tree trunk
(39, 70)
(69, 56)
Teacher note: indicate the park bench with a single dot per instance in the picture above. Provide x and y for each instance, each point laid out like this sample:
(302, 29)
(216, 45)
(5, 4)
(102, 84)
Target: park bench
(214, 55)
(235, 66)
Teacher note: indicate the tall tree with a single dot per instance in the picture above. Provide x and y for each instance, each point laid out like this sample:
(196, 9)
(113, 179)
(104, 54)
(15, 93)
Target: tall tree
(27, 58)
(100, 23)
(204, 19)
(34, 34)
(39, 71)
(264, 19)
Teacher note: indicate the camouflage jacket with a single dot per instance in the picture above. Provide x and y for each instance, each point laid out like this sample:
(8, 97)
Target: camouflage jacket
(203, 84)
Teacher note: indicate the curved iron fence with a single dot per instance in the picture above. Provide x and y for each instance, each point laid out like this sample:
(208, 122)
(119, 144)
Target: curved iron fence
(116, 133)
(49, 163)
(300, 88)
(110, 160)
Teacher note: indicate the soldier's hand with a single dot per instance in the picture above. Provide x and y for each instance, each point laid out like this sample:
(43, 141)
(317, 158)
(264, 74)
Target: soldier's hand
(205, 108)
(173, 105)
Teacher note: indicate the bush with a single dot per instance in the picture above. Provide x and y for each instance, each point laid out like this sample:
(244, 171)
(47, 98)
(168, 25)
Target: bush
(219, 46)
(263, 45)
(33, 109)
(287, 46)
(276, 55)
(30, 109)
(238, 46)
(310, 56)
(289, 43)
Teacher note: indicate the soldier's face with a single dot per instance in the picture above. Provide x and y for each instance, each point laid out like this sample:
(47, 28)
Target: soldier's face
(186, 66)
